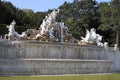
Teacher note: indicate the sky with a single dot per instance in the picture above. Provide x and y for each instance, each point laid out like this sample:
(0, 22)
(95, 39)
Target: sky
(41, 5)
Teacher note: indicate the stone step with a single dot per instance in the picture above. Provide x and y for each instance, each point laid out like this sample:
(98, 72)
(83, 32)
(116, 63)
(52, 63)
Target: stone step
(52, 66)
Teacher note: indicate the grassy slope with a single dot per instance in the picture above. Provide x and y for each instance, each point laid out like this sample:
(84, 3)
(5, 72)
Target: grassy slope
(80, 77)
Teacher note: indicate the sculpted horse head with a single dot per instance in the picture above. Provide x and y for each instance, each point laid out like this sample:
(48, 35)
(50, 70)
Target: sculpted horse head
(98, 40)
(93, 33)
(92, 37)
(11, 27)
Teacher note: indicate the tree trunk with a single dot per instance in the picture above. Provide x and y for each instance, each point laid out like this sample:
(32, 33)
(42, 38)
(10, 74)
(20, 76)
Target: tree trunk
(117, 37)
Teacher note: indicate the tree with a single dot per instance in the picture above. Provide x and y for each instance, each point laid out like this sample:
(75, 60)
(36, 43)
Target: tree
(3, 12)
(110, 22)
(10, 12)
(79, 15)
(115, 21)
(39, 18)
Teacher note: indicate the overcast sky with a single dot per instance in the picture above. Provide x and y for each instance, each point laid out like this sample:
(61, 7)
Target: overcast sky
(41, 5)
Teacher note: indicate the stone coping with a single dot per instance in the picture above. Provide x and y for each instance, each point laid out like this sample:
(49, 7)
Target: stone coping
(84, 60)
(35, 42)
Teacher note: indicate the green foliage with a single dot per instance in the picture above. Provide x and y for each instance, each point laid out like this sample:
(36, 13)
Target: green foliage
(110, 21)
(79, 15)
(25, 18)
(3, 29)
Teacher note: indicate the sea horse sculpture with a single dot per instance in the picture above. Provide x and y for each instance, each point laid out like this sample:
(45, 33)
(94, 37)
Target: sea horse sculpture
(13, 35)
(92, 37)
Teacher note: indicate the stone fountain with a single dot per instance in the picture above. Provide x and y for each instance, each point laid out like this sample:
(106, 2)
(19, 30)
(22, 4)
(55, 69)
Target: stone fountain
(32, 57)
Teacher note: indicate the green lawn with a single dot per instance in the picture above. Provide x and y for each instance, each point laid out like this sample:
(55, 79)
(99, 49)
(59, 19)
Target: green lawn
(77, 77)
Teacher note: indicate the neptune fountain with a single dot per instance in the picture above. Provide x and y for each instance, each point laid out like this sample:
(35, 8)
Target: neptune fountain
(51, 51)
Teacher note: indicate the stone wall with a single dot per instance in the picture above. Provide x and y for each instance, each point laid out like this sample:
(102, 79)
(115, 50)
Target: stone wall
(51, 51)
(52, 66)
(115, 57)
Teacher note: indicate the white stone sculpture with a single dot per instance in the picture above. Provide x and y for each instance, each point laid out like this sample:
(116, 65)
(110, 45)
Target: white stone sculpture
(46, 24)
(54, 14)
(52, 29)
(106, 45)
(92, 37)
(116, 48)
(43, 27)
(13, 35)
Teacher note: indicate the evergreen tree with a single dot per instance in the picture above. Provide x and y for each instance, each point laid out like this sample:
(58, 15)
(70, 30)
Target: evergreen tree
(110, 21)
(79, 15)
(115, 20)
